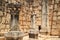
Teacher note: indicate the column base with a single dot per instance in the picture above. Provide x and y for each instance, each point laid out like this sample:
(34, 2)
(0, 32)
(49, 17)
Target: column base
(32, 35)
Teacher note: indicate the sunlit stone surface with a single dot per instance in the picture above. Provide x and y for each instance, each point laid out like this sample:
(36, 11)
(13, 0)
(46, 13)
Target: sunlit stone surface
(33, 33)
(14, 35)
(42, 37)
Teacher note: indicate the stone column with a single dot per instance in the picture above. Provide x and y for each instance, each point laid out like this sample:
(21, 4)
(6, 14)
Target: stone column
(14, 33)
(34, 30)
(44, 16)
(14, 22)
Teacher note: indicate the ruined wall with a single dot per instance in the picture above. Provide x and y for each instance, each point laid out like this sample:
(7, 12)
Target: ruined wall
(25, 16)
(54, 16)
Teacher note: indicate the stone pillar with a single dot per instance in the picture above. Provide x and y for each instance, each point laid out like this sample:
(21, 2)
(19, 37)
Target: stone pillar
(44, 16)
(34, 30)
(14, 33)
(14, 22)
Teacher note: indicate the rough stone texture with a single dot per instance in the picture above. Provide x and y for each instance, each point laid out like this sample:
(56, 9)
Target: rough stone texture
(41, 37)
(25, 17)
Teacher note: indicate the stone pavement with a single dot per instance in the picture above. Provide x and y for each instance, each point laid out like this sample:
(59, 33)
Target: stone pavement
(42, 37)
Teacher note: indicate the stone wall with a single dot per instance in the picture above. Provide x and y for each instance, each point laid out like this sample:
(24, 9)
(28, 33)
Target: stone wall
(25, 17)
(54, 16)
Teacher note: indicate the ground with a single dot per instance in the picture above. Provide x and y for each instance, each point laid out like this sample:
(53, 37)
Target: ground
(42, 37)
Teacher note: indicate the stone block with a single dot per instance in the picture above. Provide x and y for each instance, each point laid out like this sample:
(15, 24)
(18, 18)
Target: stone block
(50, 6)
(35, 36)
(2, 38)
(55, 32)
